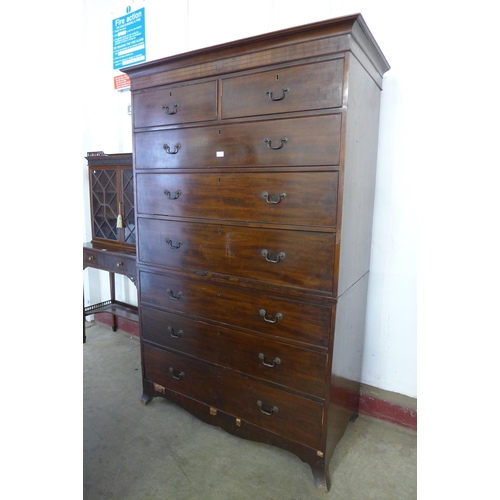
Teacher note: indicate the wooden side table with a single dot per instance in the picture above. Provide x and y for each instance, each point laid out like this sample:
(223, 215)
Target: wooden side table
(114, 261)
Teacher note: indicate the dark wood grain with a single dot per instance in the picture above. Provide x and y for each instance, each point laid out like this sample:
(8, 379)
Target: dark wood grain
(176, 104)
(296, 417)
(255, 200)
(284, 89)
(278, 256)
(309, 141)
(293, 197)
(298, 369)
(307, 324)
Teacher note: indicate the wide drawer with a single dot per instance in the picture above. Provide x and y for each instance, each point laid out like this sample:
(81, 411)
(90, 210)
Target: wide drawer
(101, 259)
(293, 367)
(270, 314)
(301, 259)
(284, 90)
(299, 198)
(291, 416)
(313, 140)
(179, 104)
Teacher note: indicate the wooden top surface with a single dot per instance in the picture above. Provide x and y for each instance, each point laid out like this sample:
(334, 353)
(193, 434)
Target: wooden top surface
(350, 33)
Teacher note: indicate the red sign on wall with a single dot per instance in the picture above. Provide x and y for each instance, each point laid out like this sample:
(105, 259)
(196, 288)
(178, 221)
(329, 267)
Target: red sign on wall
(122, 82)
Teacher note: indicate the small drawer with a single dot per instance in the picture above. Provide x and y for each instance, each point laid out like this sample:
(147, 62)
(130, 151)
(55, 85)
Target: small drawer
(173, 105)
(306, 141)
(297, 418)
(298, 198)
(279, 256)
(284, 90)
(94, 258)
(120, 264)
(292, 367)
(278, 317)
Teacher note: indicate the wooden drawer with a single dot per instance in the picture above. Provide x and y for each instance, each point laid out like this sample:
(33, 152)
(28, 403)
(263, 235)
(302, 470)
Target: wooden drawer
(101, 259)
(299, 198)
(313, 140)
(94, 258)
(296, 368)
(173, 105)
(269, 314)
(120, 264)
(284, 90)
(279, 256)
(292, 416)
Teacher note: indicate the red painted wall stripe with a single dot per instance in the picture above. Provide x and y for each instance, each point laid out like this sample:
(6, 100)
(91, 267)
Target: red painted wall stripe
(389, 412)
(123, 324)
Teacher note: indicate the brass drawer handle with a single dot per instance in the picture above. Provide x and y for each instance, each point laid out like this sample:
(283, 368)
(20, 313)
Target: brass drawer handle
(263, 313)
(170, 243)
(280, 98)
(279, 257)
(176, 374)
(269, 412)
(91, 258)
(283, 140)
(119, 264)
(167, 149)
(273, 200)
(171, 196)
(172, 296)
(170, 109)
(174, 335)
(275, 362)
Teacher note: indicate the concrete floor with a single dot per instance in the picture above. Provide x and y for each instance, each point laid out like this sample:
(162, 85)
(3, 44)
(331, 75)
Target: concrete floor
(160, 452)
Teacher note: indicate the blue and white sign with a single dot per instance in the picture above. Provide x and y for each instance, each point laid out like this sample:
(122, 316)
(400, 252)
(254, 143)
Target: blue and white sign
(129, 39)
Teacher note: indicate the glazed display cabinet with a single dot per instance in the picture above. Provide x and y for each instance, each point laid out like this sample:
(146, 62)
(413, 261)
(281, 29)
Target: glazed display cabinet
(112, 199)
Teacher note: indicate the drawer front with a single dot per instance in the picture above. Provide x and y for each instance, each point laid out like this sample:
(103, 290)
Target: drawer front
(173, 105)
(291, 416)
(108, 262)
(276, 316)
(284, 90)
(119, 264)
(280, 256)
(297, 141)
(94, 259)
(293, 367)
(299, 198)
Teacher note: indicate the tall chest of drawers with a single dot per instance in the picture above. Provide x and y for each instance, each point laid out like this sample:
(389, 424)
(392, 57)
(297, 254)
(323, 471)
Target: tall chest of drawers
(254, 165)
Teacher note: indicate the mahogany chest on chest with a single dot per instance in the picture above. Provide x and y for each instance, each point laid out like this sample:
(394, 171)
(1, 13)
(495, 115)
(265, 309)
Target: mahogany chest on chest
(254, 175)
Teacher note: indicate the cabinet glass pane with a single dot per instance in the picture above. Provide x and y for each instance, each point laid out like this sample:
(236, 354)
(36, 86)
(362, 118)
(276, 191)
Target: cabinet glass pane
(128, 206)
(104, 204)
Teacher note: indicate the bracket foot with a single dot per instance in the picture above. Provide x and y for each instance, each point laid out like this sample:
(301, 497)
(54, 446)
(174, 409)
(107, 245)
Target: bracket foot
(321, 476)
(145, 398)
